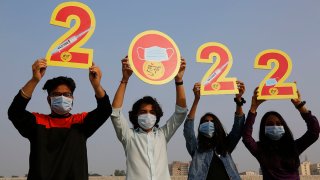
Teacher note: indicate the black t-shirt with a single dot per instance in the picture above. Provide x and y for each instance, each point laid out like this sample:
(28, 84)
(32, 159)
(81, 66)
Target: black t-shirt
(217, 169)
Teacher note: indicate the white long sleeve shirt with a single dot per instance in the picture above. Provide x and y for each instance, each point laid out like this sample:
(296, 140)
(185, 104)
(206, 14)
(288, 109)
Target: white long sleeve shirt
(147, 152)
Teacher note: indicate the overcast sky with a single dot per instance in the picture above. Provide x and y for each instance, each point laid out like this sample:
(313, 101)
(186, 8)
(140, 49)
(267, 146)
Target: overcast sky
(245, 27)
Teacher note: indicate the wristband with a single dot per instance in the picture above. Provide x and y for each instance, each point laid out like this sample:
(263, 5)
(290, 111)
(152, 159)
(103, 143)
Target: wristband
(125, 82)
(301, 104)
(239, 103)
(179, 83)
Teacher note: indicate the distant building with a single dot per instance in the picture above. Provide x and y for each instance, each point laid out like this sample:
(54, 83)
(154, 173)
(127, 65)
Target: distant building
(304, 168)
(315, 169)
(177, 168)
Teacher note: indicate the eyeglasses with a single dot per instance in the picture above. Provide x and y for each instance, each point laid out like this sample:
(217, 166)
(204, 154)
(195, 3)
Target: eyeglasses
(65, 94)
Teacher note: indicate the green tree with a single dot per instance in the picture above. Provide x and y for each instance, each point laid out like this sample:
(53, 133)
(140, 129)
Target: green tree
(118, 172)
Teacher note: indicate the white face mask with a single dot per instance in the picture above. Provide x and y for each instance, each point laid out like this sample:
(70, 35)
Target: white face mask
(61, 104)
(146, 121)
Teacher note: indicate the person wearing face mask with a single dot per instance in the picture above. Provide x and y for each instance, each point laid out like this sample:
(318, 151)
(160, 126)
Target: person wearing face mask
(145, 144)
(58, 140)
(211, 150)
(276, 151)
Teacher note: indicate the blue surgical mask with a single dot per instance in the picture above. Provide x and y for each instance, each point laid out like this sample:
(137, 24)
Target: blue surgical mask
(146, 121)
(274, 132)
(61, 104)
(207, 129)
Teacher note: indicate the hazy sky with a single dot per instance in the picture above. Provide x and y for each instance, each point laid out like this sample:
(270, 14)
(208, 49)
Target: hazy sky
(245, 27)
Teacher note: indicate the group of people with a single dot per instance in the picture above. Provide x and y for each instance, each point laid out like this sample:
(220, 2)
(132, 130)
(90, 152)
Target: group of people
(58, 140)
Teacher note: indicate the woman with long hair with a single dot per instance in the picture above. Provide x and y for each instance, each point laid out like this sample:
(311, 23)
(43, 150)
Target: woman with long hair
(277, 151)
(211, 150)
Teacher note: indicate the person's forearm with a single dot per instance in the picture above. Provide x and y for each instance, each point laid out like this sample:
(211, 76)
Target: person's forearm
(119, 96)
(99, 91)
(253, 109)
(303, 109)
(181, 96)
(193, 109)
(239, 110)
(28, 88)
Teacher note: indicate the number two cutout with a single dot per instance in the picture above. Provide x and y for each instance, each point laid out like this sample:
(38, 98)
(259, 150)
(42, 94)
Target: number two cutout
(66, 50)
(215, 80)
(273, 86)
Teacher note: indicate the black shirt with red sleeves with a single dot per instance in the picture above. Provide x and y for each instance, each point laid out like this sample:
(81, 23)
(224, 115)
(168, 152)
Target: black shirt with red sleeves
(58, 143)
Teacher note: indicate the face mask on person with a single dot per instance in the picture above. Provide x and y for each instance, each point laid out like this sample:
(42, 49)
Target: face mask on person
(274, 132)
(61, 104)
(146, 121)
(207, 129)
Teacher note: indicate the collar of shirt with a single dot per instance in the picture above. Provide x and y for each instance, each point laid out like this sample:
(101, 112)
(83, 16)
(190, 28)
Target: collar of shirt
(140, 130)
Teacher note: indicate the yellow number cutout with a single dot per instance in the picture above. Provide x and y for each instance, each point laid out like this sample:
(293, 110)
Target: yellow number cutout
(273, 86)
(215, 80)
(66, 50)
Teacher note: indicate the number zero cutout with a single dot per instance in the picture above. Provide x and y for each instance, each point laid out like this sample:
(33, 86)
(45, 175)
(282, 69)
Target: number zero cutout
(154, 57)
(66, 50)
(215, 80)
(273, 86)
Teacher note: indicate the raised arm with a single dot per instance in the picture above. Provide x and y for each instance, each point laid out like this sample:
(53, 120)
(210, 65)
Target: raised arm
(255, 103)
(180, 93)
(23, 120)
(119, 123)
(95, 76)
(180, 111)
(312, 133)
(237, 128)
(239, 99)
(126, 73)
(188, 130)
(98, 116)
(247, 139)
(38, 70)
(196, 92)
(299, 104)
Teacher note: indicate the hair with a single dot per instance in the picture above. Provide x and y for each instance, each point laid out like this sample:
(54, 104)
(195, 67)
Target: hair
(218, 140)
(133, 114)
(283, 148)
(53, 83)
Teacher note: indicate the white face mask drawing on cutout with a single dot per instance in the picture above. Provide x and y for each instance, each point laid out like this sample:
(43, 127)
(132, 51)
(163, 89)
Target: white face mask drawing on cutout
(155, 53)
(271, 82)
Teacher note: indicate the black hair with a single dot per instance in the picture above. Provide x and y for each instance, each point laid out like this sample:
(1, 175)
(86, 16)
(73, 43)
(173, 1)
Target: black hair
(218, 140)
(284, 148)
(133, 114)
(53, 83)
